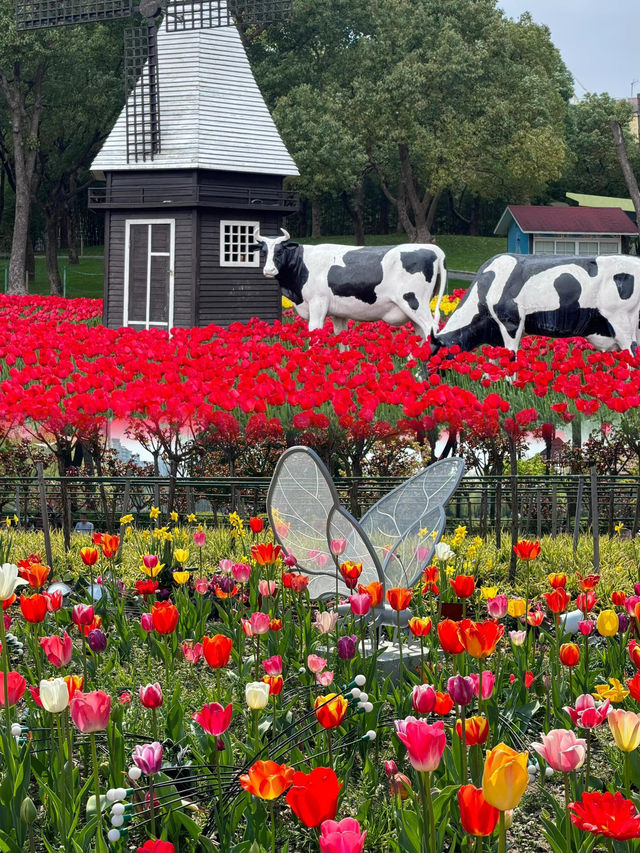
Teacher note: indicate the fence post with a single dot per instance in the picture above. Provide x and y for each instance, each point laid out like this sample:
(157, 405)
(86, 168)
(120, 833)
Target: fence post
(538, 514)
(576, 522)
(554, 510)
(513, 457)
(44, 513)
(595, 521)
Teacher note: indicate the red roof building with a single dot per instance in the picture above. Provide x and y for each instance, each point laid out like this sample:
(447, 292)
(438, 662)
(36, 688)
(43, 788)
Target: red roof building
(542, 230)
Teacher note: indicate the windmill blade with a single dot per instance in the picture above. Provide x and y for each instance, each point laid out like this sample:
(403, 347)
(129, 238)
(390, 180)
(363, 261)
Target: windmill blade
(142, 92)
(33, 14)
(222, 13)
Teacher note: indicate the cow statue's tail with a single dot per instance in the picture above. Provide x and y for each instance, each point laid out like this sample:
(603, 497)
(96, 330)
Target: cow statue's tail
(442, 275)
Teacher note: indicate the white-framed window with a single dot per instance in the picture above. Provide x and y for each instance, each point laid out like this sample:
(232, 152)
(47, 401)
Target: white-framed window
(148, 273)
(587, 247)
(236, 238)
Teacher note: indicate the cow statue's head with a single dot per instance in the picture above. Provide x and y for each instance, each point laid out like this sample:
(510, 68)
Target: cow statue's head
(269, 245)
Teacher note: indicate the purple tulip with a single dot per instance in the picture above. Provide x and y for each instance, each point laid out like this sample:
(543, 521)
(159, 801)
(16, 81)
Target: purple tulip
(227, 584)
(97, 641)
(623, 622)
(148, 757)
(347, 647)
(460, 688)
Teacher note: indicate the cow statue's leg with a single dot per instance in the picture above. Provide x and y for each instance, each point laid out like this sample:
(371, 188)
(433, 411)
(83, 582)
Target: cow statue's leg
(317, 314)
(339, 325)
(626, 334)
(419, 315)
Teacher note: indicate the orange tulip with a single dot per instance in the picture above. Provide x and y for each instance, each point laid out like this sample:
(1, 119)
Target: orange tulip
(266, 553)
(110, 545)
(217, 650)
(267, 779)
(476, 730)
(375, 590)
(399, 598)
(557, 580)
(526, 550)
(480, 638)
(618, 597)
(585, 584)
(463, 585)
(164, 615)
(35, 574)
(449, 637)
(444, 703)
(557, 600)
(330, 710)
(89, 556)
(430, 576)
(569, 654)
(420, 627)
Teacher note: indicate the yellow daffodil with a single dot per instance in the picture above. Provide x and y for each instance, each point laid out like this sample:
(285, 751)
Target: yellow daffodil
(615, 693)
(7, 521)
(191, 517)
(154, 512)
(460, 531)
(15, 519)
(173, 515)
(450, 571)
(153, 572)
(181, 555)
(181, 577)
(126, 519)
(489, 592)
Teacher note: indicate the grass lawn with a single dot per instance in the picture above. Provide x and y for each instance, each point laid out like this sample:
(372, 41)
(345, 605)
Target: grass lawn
(86, 279)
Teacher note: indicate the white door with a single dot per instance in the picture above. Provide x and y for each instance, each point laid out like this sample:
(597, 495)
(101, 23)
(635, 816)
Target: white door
(148, 273)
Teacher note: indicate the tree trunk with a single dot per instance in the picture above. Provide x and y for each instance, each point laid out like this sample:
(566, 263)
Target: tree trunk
(72, 232)
(30, 260)
(474, 220)
(51, 254)
(625, 166)
(383, 215)
(3, 176)
(17, 260)
(353, 206)
(316, 218)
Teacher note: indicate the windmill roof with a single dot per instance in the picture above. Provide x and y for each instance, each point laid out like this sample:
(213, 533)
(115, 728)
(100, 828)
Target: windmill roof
(212, 113)
(541, 219)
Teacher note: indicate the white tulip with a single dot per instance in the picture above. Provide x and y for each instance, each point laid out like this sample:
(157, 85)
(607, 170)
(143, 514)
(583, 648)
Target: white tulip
(54, 695)
(257, 695)
(9, 580)
(443, 551)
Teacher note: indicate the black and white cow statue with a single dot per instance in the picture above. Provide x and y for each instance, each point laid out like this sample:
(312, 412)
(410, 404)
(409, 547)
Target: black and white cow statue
(390, 283)
(558, 296)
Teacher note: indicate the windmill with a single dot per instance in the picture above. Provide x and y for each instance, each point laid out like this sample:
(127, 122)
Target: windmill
(141, 65)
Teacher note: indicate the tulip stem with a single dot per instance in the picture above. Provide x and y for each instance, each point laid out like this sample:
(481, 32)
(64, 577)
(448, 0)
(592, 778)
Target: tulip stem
(85, 683)
(218, 692)
(588, 757)
(362, 635)
(464, 744)
(329, 748)
(96, 783)
(567, 814)
(5, 677)
(63, 784)
(427, 810)
(273, 827)
(152, 808)
(627, 774)
(422, 679)
(502, 834)
(154, 723)
(400, 645)
(256, 672)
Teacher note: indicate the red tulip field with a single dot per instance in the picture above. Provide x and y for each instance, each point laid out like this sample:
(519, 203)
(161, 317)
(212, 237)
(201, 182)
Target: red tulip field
(171, 686)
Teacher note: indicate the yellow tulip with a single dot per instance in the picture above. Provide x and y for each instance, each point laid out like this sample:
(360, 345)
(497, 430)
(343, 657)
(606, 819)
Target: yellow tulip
(516, 607)
(625, 728)
(181, 555)
(615, 693)
(154, 572)
(489, 592)
(181, 577)
(607, 623)
(505, 777)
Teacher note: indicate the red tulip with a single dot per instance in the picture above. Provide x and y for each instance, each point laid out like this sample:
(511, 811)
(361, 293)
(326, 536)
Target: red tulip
(151, 696)
(557, 600)
(33, 607)
(165, 617)
(478, 817)
(256, 524)
(569, 654)
(217, 650)
(526, 550)
(16, 685)
(449, 636)
(463, 585)
(606, 814)
(214, 718)
(57, 649)
(313, 796)
(399, 598)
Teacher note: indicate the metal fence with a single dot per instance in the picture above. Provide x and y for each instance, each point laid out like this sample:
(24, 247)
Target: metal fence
(545, 504)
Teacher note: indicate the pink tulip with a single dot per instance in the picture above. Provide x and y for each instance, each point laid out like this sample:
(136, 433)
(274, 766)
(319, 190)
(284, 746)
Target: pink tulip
(16, 685)
(321, 560)
(630, 604)
(192, 651)
(460, 688)
(422, 554)
(316, 663)
(324, 679)
(82, 614)
(273, 665)
(201, 586)
(425, 742)
(241, 572)
(214, 719)
(146, 622)
(518, 637)
(57, 649)
(562, 750)
(586, 626)
(267, 588)
(151, 696)
(488, 680)
(259, 623)
(90, 711)
(390, 767)
(342, 837)
(148, 758)
(325, 622)
(226, 566)
(360, 603)
(338, 546)
(199, 538)
(423, 698)
(150, 561)
(497, 606)
(290, 561)
(586, 714)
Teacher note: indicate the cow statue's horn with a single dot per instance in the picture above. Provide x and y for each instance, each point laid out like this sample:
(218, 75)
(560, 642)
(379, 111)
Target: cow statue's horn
(257, 236)
(287, 236)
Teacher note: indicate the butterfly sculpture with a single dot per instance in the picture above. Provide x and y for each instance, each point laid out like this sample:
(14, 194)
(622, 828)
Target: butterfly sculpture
(394, 541)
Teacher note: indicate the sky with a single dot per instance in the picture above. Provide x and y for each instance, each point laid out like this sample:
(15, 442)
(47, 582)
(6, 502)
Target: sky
(599, 41)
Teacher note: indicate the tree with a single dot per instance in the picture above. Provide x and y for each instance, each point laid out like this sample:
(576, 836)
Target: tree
(455, 94)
